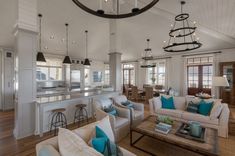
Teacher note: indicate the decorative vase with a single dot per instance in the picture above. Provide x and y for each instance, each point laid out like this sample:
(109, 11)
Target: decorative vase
(195, 129)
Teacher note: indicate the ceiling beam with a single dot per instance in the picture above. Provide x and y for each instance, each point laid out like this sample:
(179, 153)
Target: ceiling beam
(201, 28)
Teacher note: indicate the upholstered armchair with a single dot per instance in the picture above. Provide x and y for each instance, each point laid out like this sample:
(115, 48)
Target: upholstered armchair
(136, 112)
(120, 122)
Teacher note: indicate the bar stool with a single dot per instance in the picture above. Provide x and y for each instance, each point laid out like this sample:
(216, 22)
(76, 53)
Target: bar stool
(80, 113)
(58, 119)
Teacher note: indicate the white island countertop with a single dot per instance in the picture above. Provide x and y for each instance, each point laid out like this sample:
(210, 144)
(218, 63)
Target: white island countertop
(63, 96)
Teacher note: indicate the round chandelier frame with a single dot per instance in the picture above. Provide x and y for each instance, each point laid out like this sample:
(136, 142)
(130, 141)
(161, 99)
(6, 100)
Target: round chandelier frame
(185, 32)
(101, 13)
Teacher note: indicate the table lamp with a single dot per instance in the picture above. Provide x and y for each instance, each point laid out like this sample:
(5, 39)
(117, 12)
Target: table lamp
(219, 81)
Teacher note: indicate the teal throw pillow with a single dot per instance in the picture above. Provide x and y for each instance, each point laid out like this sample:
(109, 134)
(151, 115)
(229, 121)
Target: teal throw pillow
(167, 103)
(205, 108)
(127, 104)
(103, 145)
(192, 107)
(111, 110)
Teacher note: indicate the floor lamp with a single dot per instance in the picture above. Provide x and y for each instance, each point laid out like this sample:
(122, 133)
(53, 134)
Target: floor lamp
(219, 81)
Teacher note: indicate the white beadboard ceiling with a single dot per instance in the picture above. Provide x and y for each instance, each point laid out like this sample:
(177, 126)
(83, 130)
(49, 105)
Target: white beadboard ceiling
(215, 20)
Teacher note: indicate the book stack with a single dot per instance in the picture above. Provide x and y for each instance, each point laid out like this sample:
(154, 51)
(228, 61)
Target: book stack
(163, 128)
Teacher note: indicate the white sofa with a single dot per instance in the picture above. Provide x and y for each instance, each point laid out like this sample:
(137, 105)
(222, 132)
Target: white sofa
(219, 121)
(84, 132)
(137, 112)
(120, 123)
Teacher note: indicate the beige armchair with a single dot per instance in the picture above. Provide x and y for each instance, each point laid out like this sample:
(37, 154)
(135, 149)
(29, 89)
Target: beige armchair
(120, 123)
(137, 112)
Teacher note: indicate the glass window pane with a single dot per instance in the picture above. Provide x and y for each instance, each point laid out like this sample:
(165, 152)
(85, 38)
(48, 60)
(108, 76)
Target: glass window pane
(42, 73)
(196, 60)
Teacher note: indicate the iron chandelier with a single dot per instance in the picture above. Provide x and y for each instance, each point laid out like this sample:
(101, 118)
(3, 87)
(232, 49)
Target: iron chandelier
(182, 35)
(113, 8)
(147, 56)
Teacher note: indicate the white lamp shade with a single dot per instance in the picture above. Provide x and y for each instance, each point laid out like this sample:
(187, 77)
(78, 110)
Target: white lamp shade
(220, 81)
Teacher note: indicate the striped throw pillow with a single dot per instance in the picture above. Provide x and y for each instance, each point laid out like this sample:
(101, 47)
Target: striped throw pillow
(192, 107)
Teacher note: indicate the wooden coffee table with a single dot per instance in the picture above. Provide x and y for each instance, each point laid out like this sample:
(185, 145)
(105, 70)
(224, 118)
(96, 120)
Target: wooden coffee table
(146, 129)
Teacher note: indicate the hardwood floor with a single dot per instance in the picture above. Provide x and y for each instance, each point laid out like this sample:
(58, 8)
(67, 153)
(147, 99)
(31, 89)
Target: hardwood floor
(26, 147)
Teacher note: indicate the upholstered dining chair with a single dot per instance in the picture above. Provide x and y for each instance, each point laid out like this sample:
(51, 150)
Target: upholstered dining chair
(137, 110)
(120, 122)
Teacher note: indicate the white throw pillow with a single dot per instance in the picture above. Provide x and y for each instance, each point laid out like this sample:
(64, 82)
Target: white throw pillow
(71, 144)
(86, 132)
(216, 110)
(180, 103)
(157, 103)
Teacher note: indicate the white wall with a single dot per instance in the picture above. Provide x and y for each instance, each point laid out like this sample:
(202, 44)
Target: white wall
(1, 79)
(176, 72)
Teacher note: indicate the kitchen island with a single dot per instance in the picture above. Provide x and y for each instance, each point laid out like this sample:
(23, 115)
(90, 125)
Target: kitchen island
(49, 101)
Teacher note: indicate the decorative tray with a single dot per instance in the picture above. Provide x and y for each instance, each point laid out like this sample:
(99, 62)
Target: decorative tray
(183, 131)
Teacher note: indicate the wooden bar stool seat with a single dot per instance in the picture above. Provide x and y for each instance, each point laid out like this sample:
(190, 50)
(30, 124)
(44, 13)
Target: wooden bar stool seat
(58, 119)
(80, 113)
(58, 110)
(81, 105)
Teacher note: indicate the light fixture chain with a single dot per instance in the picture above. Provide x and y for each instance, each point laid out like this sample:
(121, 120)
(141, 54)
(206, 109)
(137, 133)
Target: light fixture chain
(86, 43)
(118, 7)
(40, 33)
(67, 40)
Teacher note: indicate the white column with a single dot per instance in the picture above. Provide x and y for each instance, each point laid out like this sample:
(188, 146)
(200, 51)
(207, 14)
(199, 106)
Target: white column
(25, 67)
(115, 70)
(114, 57)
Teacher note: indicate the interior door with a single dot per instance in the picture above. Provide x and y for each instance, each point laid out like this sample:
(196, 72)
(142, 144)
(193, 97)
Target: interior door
(199, 79)
(227, 94)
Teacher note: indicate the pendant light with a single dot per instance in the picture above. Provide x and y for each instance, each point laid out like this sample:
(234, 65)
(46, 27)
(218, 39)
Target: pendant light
(147, 56)
(87, 61)
(182, 34)
(67, 59)
(40, 56)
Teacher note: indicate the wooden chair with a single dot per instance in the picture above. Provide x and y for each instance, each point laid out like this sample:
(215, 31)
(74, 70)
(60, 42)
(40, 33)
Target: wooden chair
(148, 93)
(134, 93)
(146, 85)
(160, 87)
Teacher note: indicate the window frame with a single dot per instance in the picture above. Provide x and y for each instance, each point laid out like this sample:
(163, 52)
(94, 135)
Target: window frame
(157, 74)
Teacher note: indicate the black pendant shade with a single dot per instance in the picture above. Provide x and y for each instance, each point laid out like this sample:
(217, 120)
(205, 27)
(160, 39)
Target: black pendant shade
(87, 62)
(40, 57)
(67, 60)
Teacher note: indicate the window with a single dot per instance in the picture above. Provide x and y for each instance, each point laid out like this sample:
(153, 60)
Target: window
(107, 75)
(49, 71)
(87, 77)
(199, 77)
(128, 74)
(157, 75)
